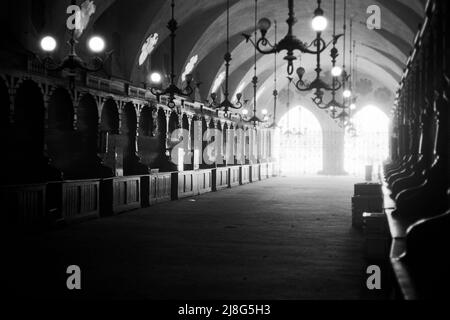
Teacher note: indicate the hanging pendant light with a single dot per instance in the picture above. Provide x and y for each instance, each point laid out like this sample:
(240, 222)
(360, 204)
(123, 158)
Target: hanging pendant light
(226, 104)
(290, 42)
(318, 84)
(254, 119)
(274, 124)
(172, 90)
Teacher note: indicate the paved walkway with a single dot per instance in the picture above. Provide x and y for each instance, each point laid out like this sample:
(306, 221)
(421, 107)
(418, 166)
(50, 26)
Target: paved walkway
(284, 238)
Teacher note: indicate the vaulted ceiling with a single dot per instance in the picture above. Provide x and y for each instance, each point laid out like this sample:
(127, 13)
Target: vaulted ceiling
(127, 24)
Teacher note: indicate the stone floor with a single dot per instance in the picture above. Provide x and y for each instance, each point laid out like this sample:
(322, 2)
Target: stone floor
(284, 238)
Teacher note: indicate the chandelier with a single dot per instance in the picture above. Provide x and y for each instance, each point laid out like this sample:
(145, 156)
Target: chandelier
(290, 42)
(318, 84)
(226, 104)
(172, 90)
(72, 63)
(255, 119)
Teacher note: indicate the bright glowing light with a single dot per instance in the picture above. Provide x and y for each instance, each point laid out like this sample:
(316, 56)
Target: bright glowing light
(347, 93)
(155, 77)
(245, 112)
(352, 106)
(96, 44)
(218, 81)
(371, 144)
(336, 71)
(48, 44)
(189, 67)
(299, 154)
(148, 47)
(264, 112)
(319, 23)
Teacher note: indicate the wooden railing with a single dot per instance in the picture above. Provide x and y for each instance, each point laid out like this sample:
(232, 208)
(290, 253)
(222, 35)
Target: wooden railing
(24, 204)
(186, 186)
(160, 187)
(203, 181)
(234, 175)
(255, 172)
(68, 201)
(80, 199)
(244, 174)
(221, 178)
(264, 169)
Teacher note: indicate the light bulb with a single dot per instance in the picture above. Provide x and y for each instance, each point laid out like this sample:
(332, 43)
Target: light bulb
(352, 106)
(264, 111)
(319, 23)
(96, 44)
(155, 77)
(48, 43)
(347, 93)
(245, 112)
(336, 71)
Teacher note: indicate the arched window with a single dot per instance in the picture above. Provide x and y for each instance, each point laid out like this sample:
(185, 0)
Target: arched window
(299, 142)
(370, 144)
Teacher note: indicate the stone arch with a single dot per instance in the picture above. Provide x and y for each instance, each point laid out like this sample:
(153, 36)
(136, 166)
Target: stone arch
(131, 162)
(60, 135)
(162, 132)
(109, 121)
(173, 122)
(28, 147)
(186, 126)
(146, 122)
(87, 115)
(5, 106)
(60, 110)
(87, 126)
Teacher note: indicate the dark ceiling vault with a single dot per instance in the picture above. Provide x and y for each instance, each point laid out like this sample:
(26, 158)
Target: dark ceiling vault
(127, 24)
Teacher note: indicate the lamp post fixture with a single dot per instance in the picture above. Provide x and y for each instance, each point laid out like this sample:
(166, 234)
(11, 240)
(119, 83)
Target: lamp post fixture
(290, 42)
(172, 90)
(73, 63)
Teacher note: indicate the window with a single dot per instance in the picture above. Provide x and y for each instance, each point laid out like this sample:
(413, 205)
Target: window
(298, 143)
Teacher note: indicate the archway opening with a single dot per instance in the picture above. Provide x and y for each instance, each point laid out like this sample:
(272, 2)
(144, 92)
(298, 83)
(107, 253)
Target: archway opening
(298, 144)
(369, 145)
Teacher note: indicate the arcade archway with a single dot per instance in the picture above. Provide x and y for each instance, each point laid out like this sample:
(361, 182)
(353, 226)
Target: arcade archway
(298, 144)
(370, 144)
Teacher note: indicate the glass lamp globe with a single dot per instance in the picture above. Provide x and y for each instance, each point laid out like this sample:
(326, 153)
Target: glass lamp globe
(319, 22)
(155, 77)
(336, 71)
(96, 44)
(48, 44)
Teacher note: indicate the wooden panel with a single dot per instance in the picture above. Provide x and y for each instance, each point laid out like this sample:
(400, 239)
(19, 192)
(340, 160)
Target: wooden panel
(24, 205)
(80, 199)
(264, 171)
(160, 187)
(245, 174)
(255, 173)
(221, 178)
(234, 176)
(204, 181)
(186, 184)
(270, 170)
(126, 194)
